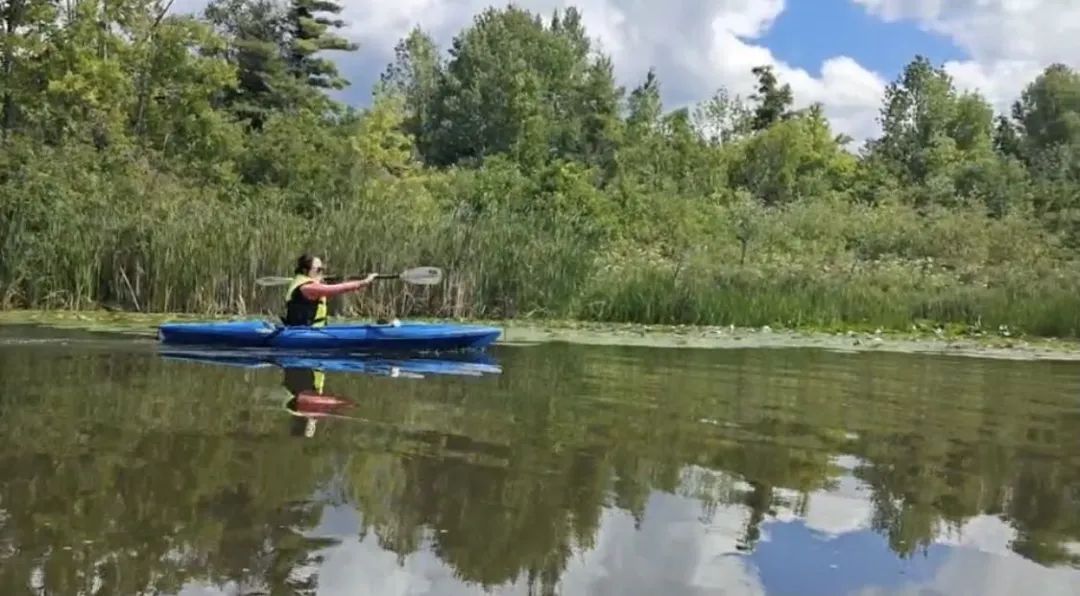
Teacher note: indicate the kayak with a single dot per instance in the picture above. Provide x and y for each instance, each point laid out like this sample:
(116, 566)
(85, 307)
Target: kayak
(471, 364)
(345, 337)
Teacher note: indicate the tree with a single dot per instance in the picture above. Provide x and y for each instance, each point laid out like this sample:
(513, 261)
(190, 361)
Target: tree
(415, 76)
(774, 100)
(722, 118)
(919, 106)
(798, 157)
(972, 123)
(937, 143)
(383, 148)
(515, 86)
(310, 31)
(1048, 110)
(175, 109)
(601, 128)
(1007, 140)
(255, 32)
(642, 158)
(312, 162)
(27, 25)
(645, 106)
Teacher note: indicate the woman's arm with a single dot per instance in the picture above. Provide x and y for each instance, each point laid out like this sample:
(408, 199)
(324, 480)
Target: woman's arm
(316, 290)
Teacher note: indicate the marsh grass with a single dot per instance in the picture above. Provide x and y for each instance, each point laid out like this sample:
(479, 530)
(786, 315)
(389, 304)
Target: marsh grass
(890, 297)
(77, 238)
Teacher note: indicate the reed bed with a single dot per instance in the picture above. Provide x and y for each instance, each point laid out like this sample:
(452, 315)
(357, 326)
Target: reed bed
(148, 242)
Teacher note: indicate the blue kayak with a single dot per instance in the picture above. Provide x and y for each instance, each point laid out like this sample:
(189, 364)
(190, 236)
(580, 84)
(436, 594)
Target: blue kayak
(345, 337)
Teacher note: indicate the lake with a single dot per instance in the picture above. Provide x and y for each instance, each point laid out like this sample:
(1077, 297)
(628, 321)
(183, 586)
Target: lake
(547, 469)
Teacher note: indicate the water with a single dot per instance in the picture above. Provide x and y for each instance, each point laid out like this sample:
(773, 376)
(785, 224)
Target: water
(577, 470)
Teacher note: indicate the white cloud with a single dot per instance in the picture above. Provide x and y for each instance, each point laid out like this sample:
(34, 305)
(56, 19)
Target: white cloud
(699, 45)
(835, 512)
(1009, 41)
(850, 93)
(696, 46)
(672, 552)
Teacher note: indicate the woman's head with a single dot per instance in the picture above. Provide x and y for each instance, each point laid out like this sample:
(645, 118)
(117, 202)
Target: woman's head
(309, 265)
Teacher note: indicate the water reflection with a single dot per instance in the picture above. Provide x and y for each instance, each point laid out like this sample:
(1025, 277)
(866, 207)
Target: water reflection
(307, 402)
(304, 375)
(465, 363)
(574, 471)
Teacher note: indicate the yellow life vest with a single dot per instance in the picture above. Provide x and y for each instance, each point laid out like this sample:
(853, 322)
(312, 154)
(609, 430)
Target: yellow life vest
(301, 311)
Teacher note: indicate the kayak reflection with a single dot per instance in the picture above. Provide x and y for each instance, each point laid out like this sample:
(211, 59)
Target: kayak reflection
(472, 364)
(304, 375)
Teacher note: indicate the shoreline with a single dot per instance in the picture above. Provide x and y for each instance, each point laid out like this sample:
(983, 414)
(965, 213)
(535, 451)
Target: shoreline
(533, 331)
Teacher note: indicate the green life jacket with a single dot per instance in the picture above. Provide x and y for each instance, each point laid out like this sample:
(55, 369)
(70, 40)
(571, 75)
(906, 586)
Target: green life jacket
(299, 310)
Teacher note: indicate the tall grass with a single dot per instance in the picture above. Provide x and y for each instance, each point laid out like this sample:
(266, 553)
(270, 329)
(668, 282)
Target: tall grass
(896, 297)
(158, 245)
(825, 264)
(74, 236)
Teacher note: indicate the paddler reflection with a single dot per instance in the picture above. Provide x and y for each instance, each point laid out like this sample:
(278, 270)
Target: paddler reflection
(308, 402)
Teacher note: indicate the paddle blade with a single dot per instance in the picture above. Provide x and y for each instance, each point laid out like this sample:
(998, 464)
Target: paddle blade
(425, 276)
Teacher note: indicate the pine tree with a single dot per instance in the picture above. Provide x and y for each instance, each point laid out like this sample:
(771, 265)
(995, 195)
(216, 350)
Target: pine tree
(311, 34)
(774, 100)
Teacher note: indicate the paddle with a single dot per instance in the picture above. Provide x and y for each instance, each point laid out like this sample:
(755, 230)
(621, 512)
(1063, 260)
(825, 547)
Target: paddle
(424, 276)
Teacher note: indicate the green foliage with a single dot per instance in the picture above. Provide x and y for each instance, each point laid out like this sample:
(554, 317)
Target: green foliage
(774, 100)
(27, 27)
(940, 144)
(253, 34)
(515, 85)
(414, 75)
(154, 161)
(1049, 109)
(723, 118)
(798, 157)
(310, 28)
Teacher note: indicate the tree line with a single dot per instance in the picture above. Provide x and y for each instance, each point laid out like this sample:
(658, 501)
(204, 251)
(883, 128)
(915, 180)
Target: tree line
(159, 161)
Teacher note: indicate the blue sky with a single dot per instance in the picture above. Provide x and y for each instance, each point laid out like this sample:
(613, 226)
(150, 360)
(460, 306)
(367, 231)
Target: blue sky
(809, 32)
(841, 53)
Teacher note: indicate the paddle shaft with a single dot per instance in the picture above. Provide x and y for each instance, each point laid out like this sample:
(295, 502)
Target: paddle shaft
(417, 275)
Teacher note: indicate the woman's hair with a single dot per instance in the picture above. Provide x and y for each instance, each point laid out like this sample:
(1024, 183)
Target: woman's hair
(303, 264)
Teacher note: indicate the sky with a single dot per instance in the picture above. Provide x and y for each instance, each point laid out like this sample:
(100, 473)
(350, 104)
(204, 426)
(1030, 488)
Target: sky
(841, 53)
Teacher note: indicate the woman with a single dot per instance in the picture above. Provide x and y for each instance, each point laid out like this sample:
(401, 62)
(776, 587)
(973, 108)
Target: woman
(305, 300)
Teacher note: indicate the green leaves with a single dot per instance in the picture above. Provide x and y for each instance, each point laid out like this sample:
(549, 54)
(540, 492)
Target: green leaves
(774, 100)
(27, 27)
(798, 157)
(415, 75)
(920, 112)
(383, 148)
(1049, 109)
(513, 85)
(310, 34)
(946, 147)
